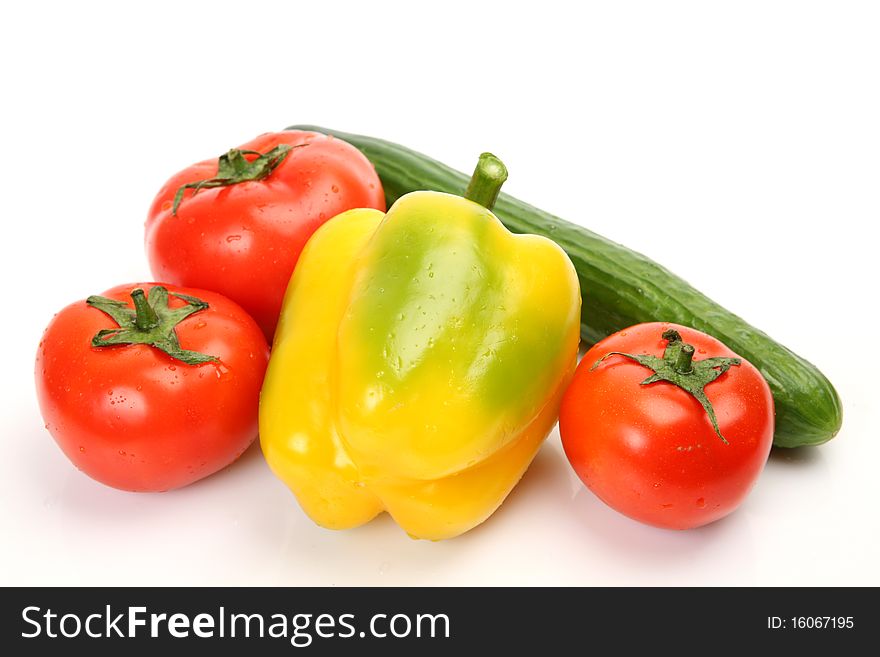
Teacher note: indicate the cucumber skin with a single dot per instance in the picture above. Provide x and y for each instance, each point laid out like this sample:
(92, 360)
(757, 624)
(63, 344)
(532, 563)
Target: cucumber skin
(621, 287)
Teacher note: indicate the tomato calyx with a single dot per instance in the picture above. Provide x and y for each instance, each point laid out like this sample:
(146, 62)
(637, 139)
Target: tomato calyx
(677, 366)
(152, 322)
(233, 168)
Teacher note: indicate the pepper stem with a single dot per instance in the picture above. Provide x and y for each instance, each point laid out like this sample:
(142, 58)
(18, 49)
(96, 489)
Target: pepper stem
(145, 317)
(485, 184)
(683, 361)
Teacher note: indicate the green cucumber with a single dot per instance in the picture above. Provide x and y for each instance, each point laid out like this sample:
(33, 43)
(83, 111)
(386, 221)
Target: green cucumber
(621, 287)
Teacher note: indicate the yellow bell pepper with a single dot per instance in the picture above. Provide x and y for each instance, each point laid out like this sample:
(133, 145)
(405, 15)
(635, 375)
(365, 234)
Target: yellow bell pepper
(419, 362)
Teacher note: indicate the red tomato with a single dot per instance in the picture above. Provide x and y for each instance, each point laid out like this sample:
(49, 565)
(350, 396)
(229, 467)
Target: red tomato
(133, 417)
(243, 240)
(650, 451)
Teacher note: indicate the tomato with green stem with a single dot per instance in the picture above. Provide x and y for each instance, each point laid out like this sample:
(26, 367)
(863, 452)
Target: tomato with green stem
(667, 425)
(237, 224)
(150, 387)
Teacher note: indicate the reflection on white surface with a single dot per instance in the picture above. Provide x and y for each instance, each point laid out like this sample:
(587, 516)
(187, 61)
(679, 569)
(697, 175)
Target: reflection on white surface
(242, 526)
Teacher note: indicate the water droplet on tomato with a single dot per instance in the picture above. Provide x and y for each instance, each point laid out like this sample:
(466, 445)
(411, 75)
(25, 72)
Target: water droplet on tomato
(200, 325)
(172, 367)
(121, 452)
(701, 503)
(233, 238)
(334, 189)
(82, 449)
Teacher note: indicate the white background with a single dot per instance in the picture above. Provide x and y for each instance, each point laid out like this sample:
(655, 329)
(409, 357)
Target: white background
(748, 130)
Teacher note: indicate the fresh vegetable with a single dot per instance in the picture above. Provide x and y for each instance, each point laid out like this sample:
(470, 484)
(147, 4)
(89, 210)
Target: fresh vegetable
(148, 387)
(237, 225)
(419, 362)
(667, 425)
(621, 287)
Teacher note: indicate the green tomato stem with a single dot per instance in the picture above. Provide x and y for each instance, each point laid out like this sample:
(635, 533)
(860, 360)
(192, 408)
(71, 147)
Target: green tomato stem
(152, 322)
(234, 168)
(683, 364)
(145, 317)
(677, 366)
